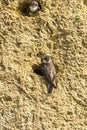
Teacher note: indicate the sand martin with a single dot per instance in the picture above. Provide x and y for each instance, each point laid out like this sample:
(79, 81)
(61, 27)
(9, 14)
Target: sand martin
(48, 70)
(34, 7)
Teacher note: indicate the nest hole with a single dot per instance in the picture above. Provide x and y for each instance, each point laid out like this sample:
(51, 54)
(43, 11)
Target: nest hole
(23, 7)
(37, 70)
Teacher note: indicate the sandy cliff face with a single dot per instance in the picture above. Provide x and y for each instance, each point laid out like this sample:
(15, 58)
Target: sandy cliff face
(59, 30)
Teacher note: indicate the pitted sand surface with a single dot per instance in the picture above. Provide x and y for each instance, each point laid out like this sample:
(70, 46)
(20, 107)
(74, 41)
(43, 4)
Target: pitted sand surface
(59, 30)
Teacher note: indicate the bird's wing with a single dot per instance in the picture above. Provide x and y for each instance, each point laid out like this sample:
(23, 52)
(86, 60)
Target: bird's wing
(45, 71)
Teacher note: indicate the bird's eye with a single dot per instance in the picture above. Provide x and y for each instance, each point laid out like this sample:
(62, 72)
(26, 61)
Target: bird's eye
(35, 5)
(47, 58)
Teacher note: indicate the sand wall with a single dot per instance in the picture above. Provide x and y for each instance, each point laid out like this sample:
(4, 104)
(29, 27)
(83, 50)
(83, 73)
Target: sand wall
(60, 30)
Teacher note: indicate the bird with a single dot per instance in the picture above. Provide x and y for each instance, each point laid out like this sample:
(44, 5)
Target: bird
(48, 70)
(34, 7)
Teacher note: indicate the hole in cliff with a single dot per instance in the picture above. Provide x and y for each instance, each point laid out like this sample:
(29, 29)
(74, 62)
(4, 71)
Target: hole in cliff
(24, 7)
(36, 69)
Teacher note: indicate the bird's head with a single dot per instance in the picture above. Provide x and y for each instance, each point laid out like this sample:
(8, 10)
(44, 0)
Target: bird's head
(46, 59)
(34, 6)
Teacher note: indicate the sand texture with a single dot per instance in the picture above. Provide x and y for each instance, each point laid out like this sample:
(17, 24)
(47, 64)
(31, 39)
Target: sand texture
(59, 30)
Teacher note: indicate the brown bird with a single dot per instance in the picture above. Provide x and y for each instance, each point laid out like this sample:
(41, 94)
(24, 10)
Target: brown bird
(48, 70)
(34, 7)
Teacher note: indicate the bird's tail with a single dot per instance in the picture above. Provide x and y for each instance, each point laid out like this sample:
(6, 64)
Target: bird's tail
(51, 86)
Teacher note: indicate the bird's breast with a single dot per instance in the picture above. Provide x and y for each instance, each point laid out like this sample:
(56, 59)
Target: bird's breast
(33, 9)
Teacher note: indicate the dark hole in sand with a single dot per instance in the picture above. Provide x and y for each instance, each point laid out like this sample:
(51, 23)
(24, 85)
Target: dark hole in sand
(37, 70)
(23, 7)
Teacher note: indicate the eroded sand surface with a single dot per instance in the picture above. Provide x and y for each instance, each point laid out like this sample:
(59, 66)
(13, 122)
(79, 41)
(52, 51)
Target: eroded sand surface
(60, 30)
